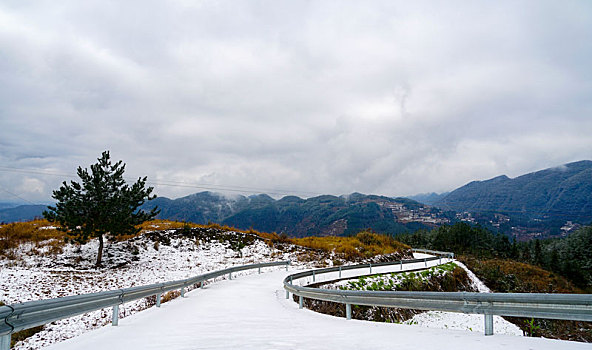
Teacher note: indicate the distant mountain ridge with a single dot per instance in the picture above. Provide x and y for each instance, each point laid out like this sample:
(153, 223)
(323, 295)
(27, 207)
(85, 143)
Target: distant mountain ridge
(294, 216)
(6, 205)
(538, 204)
(562, 192)
(21, 213)
(428, 198)
(204, 207)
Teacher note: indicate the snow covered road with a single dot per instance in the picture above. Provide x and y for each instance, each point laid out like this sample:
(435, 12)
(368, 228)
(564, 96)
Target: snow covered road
(251, 312)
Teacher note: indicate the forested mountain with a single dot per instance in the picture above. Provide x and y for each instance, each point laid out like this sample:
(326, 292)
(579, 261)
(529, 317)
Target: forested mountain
(570, 256)
(21, 213)
(206, 207)
(5, 205)
(547, 203)
(428, 198)
(297, 217)
(563, 192)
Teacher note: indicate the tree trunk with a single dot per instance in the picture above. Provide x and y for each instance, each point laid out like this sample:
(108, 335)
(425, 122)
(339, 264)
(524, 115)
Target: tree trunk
(100, 254)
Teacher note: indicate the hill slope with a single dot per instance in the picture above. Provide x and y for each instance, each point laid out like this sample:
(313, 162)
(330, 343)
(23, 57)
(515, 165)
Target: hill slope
(21, 213)
(205, 207)
(297, 217)
(294, 216)
(563, 192)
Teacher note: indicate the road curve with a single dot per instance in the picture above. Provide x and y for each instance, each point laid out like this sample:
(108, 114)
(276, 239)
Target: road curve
(251, 312)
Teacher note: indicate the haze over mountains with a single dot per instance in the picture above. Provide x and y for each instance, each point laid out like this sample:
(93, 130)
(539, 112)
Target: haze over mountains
(537, 204)
(21, 212)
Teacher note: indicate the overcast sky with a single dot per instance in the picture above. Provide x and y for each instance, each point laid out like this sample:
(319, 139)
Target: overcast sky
(383, 97)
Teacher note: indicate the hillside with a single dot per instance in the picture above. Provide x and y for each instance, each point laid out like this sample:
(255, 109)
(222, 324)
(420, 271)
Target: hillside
(40, 269)
(428, 198)
(294, 216)
(546, 203)
(40, 264)
(37, 263)
(204, 207)
(563, 192)
(21, 213)
(298, 217)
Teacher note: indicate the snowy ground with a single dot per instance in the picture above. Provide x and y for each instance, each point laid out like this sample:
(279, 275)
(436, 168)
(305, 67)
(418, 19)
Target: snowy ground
(42, 276)
(474, 323)
(251, 312)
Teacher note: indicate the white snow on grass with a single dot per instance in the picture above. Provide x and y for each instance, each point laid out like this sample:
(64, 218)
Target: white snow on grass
(388, 280)
(477, 283)
(453, 320)
(465, 322)
(40, 275)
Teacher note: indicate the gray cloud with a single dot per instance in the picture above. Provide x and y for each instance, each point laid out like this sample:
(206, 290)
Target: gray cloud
(386, 97)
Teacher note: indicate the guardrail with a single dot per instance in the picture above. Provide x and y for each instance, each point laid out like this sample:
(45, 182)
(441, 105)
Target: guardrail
(577, 307)
(434, 252)
(16, 317)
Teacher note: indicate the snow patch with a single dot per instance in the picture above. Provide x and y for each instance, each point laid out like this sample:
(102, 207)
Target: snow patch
(477, 283)
(465, 322)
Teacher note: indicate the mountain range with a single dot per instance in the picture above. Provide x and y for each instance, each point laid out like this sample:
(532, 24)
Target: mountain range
(21, 212)
(298, 217)
(563, 192)
(537, 204)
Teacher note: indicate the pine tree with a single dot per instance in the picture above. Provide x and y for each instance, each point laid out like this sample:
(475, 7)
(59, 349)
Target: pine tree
(103, 205)
(538, 254)
(514, 254)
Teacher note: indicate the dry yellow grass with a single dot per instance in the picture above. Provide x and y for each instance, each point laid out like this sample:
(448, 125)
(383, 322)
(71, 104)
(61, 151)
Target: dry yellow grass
(36, 231)
(153, 225)
(362, 245)
(15, 233)
(511, 276)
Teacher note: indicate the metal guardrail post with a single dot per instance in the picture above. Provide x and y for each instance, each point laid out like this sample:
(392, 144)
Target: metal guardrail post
(425, 261)
(5, 342)
(158, 298)
(287, 295)
(370, 268)
(288, 264)
(348, 311)
(339, 271)
(313, 276)
(230, 275)
(301, 302)
(401, 265)
(259, 269)
(115, 318)
(488, 324)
